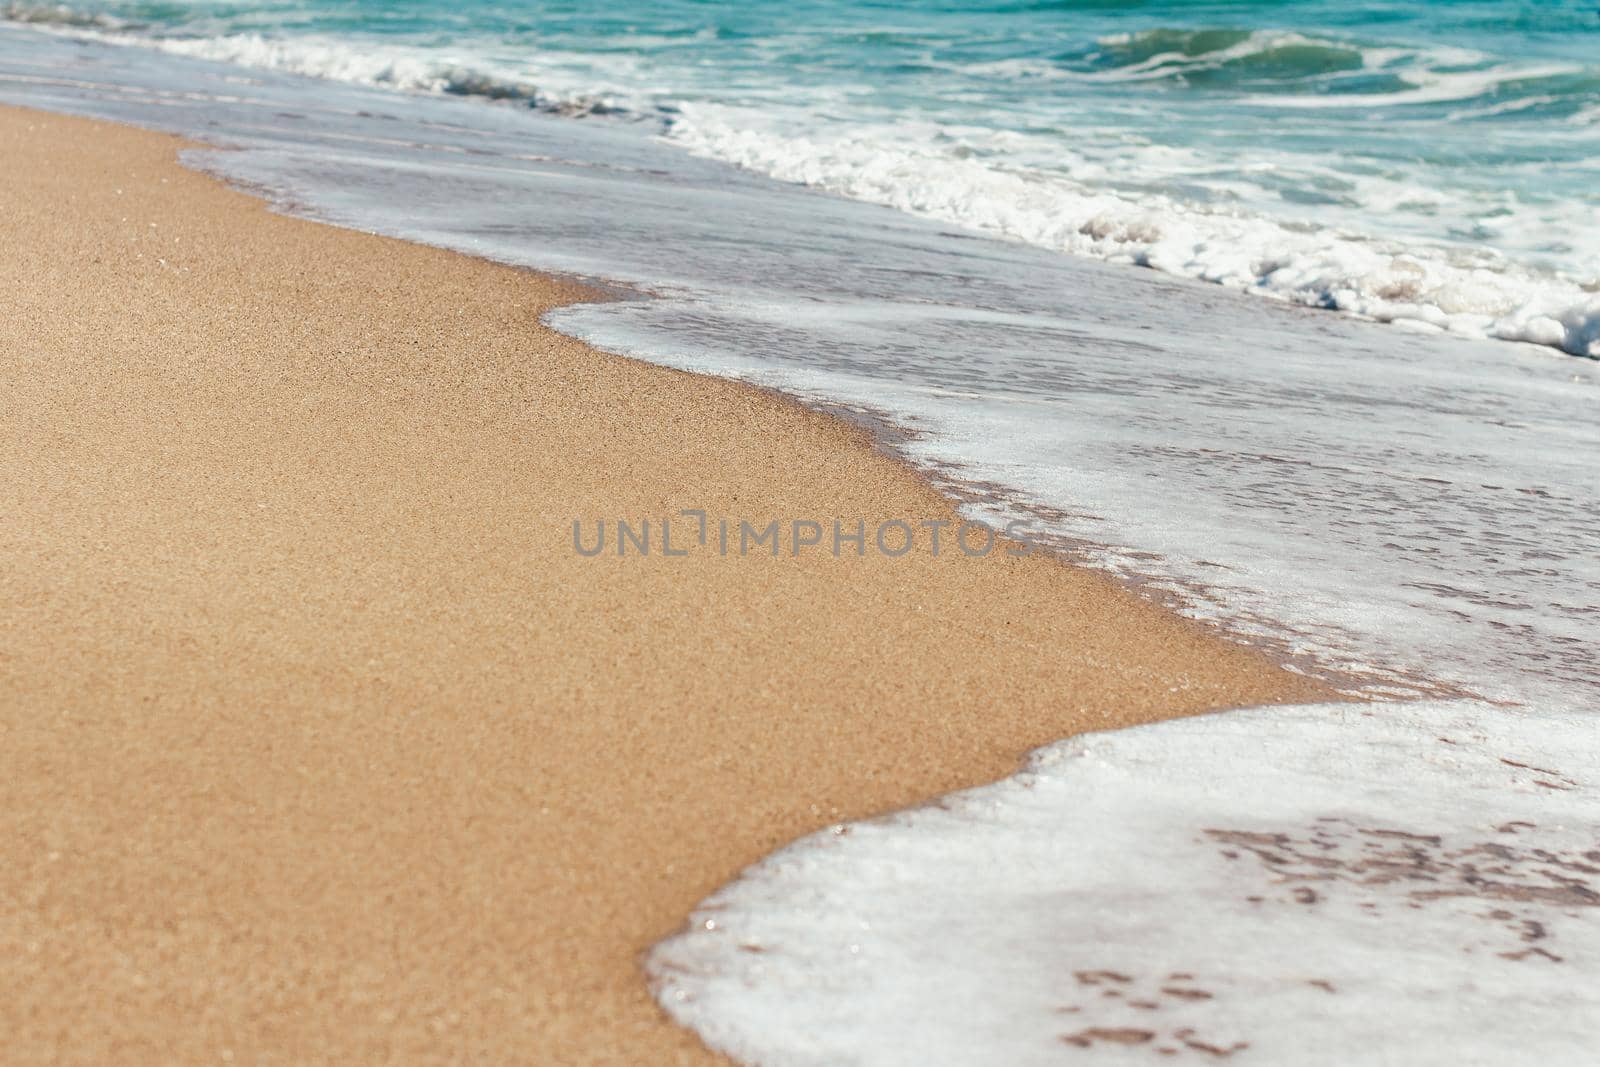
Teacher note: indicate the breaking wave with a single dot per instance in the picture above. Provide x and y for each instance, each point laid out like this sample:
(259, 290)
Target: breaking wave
(1468, 291)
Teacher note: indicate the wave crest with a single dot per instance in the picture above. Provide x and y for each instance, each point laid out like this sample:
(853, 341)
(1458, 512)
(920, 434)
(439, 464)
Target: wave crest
(1226, 55)
(1466, 291)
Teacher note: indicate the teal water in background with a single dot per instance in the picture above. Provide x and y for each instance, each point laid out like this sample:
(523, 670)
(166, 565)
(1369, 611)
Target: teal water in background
(1433, 163)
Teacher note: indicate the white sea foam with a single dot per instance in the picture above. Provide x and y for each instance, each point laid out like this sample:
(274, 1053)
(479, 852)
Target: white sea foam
(46, 16)
(1428, 87)
(413, 69)
(419, 69)
(1324, 885)
(1468, 291)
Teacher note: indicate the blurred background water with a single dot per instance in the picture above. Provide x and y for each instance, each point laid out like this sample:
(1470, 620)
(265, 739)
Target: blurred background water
(1433, 162)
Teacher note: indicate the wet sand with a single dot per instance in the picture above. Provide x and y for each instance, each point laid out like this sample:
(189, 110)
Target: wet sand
(320, 742)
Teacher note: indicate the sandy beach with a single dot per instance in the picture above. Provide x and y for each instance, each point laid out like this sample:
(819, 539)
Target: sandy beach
(320, 742)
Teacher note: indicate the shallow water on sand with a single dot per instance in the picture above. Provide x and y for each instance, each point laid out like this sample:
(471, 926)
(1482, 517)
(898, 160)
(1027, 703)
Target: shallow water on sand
(1323, 886)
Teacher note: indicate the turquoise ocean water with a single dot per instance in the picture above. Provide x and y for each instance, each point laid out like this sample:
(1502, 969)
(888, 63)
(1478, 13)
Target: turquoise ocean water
(1431, 162)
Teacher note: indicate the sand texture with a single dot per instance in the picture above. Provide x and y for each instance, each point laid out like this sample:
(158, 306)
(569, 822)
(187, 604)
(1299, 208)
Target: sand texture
(318, 742)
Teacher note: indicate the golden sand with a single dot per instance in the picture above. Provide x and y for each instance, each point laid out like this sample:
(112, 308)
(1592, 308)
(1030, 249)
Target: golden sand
(318, 742)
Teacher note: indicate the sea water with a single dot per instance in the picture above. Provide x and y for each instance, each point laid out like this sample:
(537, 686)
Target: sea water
(1406, 513)
(1433, 163)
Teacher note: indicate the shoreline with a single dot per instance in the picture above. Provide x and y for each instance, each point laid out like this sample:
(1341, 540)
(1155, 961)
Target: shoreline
(1564, 319)
(324, 746)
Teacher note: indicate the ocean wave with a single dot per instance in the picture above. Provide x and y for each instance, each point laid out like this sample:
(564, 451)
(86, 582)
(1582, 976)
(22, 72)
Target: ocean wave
(406, 69)
(396, 67)
(1472, 292)
(1083, 209)
(1306, 71)
(46, 15)
(1236, 54)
